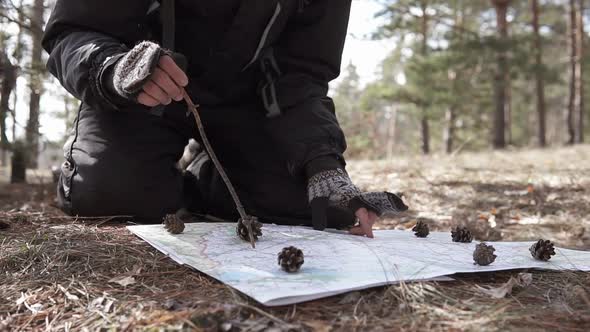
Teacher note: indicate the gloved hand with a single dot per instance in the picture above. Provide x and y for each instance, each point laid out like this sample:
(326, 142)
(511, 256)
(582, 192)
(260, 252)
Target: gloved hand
(337, 202)
(147, 74)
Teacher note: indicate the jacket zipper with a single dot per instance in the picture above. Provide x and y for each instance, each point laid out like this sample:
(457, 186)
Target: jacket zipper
(265, 34)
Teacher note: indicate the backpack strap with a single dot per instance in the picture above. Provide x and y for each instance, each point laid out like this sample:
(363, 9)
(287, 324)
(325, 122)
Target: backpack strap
(168, 24)
(167, 16)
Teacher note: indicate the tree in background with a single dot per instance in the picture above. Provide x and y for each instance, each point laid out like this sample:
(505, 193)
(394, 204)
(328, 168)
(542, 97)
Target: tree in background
(539, 73)
(415, 17)
(36, 76)
(495, 66)
(571, 109)
(8, 73)
(580, 40)
(23, 22)
(502, 75)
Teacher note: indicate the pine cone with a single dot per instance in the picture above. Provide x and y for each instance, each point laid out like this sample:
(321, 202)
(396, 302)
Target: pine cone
(421, 229)
(461, 234)
(242, 230)
(173, 224)
(291, 259)
(542, 250)
(484, 254)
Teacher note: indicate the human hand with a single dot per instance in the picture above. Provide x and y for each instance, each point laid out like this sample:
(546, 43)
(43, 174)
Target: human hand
(366, 220)
(164, 84)
(149, 75)
(336, 202)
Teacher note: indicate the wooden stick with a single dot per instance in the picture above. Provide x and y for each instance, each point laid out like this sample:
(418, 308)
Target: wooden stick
(193, 108)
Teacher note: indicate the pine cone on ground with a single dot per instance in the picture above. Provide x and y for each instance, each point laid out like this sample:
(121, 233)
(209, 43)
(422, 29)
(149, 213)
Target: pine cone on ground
(421, 229)
(173, 224)
(461, 234)
(484, 254)
(242, 230)
(291, 259)
(542, 250)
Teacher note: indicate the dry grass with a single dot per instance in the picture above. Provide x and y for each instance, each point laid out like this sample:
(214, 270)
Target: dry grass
(56, 272)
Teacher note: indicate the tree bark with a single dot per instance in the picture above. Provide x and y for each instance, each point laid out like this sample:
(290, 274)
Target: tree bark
(449, 137)
(580, 72)
(571, 109)
(425, 123)
(500, 96)
(8, 75)
(540, 83)
(391, 133)
(35, 84)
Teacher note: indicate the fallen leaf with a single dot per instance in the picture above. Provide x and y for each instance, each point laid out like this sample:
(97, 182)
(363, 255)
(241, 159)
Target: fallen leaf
(22, 299)
(137, 268)
(351, 298)
(552, 197)
(530, 188)
(579, 291)
(102, 304)
(522, 280)
(35, 308)
(172, 305)
(123, 280)
(318, 326)
(68, 295)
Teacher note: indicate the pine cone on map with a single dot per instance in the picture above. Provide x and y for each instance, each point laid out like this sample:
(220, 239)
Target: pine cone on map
(484, 254)
(291, 259)
(242, 230)
(542, 250)
(173, 224)
(461, 234)
(421, 229)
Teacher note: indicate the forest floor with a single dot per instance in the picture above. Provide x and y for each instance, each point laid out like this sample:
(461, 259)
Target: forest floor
(57, 273)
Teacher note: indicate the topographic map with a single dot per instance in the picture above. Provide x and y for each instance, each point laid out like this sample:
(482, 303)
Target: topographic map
(335, 262)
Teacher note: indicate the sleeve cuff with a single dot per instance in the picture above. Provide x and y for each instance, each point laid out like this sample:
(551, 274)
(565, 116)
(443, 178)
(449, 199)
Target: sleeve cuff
(105, 80)
(323, 163)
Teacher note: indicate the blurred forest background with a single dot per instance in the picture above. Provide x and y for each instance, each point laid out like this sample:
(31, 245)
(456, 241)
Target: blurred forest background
(464, 75)
(472, 75)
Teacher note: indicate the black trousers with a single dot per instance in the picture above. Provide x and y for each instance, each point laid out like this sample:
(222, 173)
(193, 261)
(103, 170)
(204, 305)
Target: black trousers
(123, 163)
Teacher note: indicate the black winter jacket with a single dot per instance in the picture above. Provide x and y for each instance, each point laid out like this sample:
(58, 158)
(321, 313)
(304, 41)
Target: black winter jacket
(230, 46)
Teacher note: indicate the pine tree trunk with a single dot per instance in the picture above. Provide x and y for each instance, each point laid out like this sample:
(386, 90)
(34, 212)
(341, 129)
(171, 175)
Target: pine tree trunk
(18, 171)
(501, 84)
(580, 72)
(424, 123)
(391, 133)
(425, 135)
(508, 107)
(540, 83)
(8, 75)
(449, 136)
(571, 109)
(35, 84)
(451, 112)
